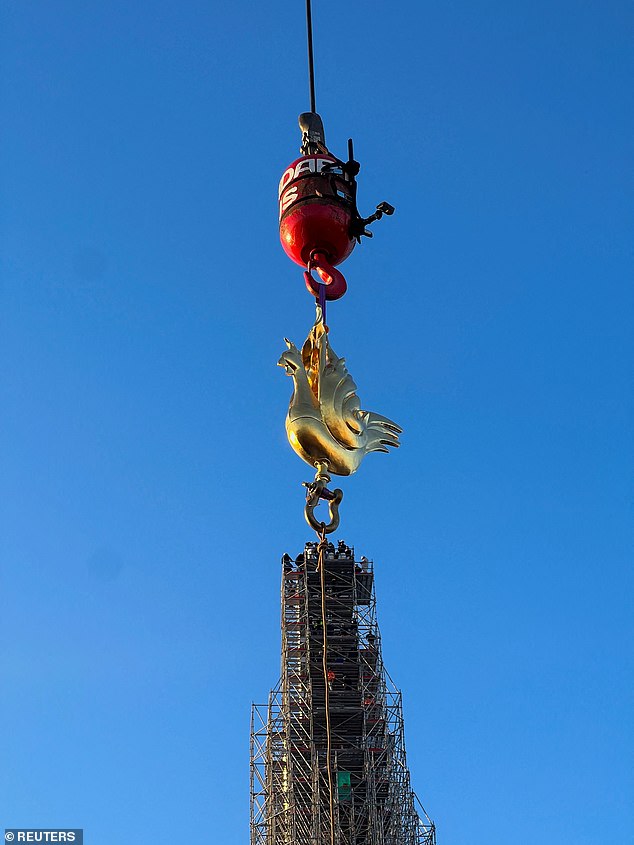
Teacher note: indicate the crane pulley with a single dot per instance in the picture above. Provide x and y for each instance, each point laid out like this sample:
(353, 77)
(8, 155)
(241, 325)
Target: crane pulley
(319, 219)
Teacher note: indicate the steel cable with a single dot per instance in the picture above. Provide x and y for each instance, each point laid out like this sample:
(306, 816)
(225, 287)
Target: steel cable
(311, 64)
(322, 576)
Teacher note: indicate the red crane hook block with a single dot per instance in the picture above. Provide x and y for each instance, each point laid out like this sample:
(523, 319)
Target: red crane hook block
(316, 200)
(330, 277)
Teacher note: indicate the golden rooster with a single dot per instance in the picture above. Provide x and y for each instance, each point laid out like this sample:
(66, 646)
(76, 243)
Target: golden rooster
(325, 422)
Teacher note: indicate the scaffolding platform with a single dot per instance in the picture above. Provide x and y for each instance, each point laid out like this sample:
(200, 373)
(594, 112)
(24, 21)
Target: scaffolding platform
(362, 795)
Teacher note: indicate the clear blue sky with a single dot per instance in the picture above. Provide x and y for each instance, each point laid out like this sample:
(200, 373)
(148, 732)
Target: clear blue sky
(147, 490)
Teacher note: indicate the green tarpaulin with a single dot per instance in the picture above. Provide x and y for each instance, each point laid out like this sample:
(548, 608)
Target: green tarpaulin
(343, 785)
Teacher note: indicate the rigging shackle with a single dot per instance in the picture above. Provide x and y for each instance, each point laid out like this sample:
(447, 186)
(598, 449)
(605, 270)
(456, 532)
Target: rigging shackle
(315, 492)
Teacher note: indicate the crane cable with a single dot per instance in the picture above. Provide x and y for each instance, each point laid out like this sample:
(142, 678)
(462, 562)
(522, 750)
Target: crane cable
(311, 63)
(322, 575)
(322, 535)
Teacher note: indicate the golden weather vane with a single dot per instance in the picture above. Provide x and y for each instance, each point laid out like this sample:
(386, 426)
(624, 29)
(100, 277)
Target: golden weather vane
(325, 421)
(325, 424)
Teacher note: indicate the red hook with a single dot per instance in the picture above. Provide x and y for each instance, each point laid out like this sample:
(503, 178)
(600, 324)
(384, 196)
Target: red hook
(333, 280)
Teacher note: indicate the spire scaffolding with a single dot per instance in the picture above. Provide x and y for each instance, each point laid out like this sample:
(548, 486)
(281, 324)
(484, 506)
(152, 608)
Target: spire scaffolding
(290, 788)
